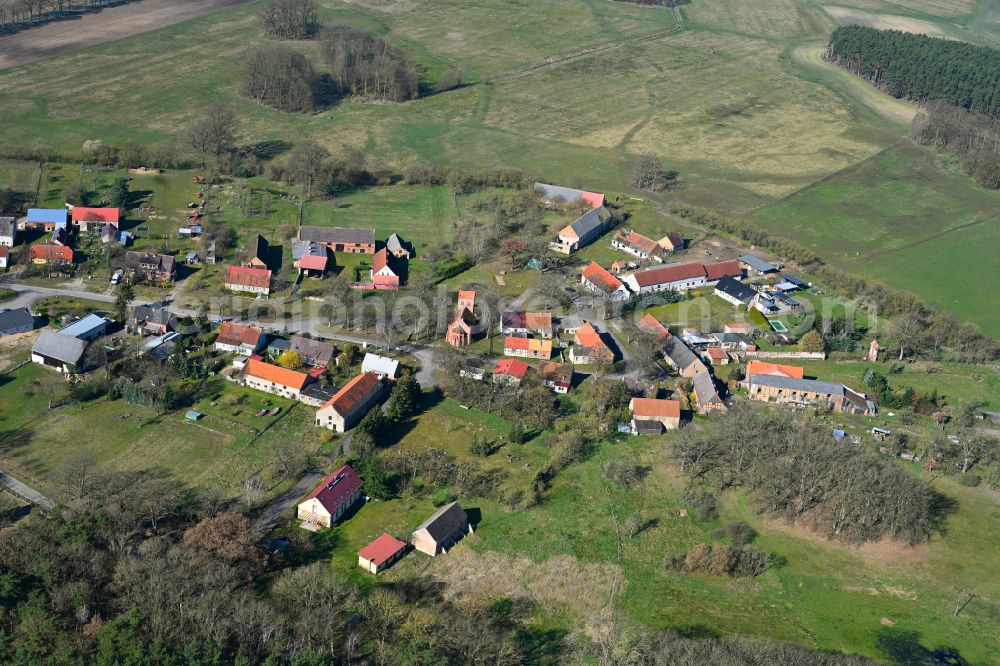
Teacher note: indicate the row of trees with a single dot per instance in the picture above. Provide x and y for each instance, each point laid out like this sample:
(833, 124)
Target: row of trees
(920, 68)
(801, 474)
(974, 138)
(15, 13)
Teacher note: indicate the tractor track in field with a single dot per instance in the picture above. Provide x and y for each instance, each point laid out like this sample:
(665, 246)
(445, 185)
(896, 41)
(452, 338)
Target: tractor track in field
(62, 36)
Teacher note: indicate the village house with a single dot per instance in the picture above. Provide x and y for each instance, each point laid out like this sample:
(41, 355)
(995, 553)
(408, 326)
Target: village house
(351, 240)
(647, 411)
(444, 528)
(151, 267)
(331, 499)
(554, 195)
(510, 371)
(239, 338)
(583, 231)
(756, 265)
(732, 342)
(381, 553)
(716, 356)
(589, 347)
(636, 244)
(680, 357)
(740, 328)
(93, 219)
(735, 292)
(382, 275)
(681, 277)
(274, 379)
(558, 376)
(249, 280)
(460, 329)
(149, 320)
(258, 252)
(57, 351)
(597, 279)
(350, 403)
(651, 326)
(310, 258)
(519, 322)
(527, 347)
(672, 242)
(316, 395)
(8, 231)
(397, 247)
(383, 366)
(51, 255)
(46, 219)
(4, 256)
(16, 321)
(313, 352)
(706, 396)
(807, 393)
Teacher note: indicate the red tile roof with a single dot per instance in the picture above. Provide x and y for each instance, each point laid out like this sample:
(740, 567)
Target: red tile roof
(382, 549)
(717, 353)
(669, 273)
(335, 490)
(82, 214)
(652, 407)
(601, 278)
(380, 260)
(512, 367)
(637, 240)
(756, 367)
(277, 374)
(595, 199)
(354, 393)
(231, 333)
(51, 252)
(588, 336)
(3, 251)
(649, 324)
(720, 269)
(312, 262)
(248, 277)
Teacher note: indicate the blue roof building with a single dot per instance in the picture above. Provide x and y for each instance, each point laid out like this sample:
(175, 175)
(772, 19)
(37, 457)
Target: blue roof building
(56, 216)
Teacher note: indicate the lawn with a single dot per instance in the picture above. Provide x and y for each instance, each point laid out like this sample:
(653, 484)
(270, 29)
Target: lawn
(19, 176)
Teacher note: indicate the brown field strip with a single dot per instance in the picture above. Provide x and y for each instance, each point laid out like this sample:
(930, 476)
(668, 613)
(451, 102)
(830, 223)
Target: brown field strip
(58, 37)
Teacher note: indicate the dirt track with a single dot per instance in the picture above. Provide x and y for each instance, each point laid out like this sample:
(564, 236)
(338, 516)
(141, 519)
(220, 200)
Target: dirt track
(63, 36)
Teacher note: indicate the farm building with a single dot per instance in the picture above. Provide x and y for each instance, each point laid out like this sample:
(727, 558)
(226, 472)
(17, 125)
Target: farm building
(350, 403)
(46, 219)
(735, 292)
(250, 280)
(756, 367)
(444, 528)
(527, 347)
(680, 357)
(667, 413)
(672, 242)
(310, 258)
(589, 347)
(383, 366)
(149, 320)
(90, 327)
(275, 379)
(258, 252)
(650, 325)
(636, 244)
(331, 499)
(582, 231)
(554, 195)
(16, 321)
(341, 239)
(93, 219)
(313, 352)
(756, 265)
(558, 376)
(239, 338)
(705, 394)
(510, 370)
(381, 553)
(61, 352)
(596, 278)
(382, 274)
(808, 393)
(397, 247)
(519, 322)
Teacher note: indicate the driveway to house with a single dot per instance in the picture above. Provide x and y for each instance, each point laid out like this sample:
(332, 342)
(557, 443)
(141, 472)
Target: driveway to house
(25, 492)
(271, 514)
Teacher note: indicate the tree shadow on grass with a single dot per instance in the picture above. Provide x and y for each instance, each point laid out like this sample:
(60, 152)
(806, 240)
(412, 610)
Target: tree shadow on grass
(903, 647)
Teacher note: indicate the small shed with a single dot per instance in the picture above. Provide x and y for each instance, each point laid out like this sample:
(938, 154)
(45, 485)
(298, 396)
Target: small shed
(381, 553)
(192, 415)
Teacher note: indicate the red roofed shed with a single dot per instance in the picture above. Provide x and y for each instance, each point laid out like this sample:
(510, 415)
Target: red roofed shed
(381, 553)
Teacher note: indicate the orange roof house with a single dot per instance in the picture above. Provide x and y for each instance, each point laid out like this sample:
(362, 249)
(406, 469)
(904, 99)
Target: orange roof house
(243, 338)
(51, 254)
(509, 369)
(756, 367)
(596, 278)
(590, 347)
(667, 413)
(266, 373)
(87, 218)
(383, 277)
(720, 269)
(527, 347)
